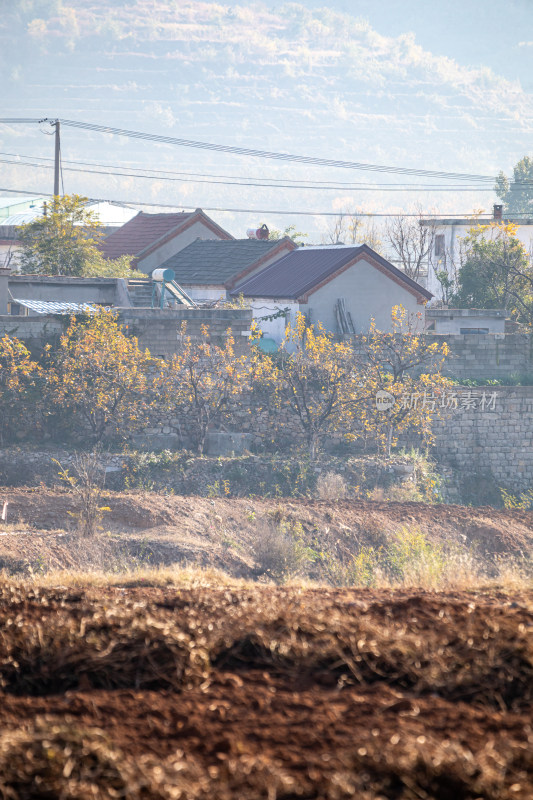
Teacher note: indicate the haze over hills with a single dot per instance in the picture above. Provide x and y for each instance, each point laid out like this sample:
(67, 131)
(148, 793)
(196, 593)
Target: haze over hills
(296, 78)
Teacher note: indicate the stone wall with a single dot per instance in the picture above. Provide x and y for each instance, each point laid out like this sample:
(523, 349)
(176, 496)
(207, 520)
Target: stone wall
(490, 355)
(156, 330)
(489, 433)
(494, 441)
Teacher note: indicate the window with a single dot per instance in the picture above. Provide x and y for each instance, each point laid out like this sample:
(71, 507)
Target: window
(439, 244)
(474, 330)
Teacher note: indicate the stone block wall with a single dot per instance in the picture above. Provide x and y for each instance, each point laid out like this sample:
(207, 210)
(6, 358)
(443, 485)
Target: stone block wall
(159, 330)
(490, 432)
(487, 355)
(156, 330)
(35, 331)
(497, 441)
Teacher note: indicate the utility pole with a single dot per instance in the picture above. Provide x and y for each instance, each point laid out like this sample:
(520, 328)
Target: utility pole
(57, 158)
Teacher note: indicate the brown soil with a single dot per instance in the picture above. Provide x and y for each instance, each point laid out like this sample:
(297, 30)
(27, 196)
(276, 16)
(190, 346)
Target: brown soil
(265, 693)
(219, 531)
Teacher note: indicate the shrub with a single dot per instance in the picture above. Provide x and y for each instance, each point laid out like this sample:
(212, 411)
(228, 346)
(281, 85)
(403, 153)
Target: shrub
(280, 551)
(331, 486)
(86, 487)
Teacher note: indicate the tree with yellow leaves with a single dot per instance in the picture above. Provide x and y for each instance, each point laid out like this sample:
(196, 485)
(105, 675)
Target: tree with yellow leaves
(404, 378)
(97, 377)
(19, 375)
(202, 382)
(318, 380)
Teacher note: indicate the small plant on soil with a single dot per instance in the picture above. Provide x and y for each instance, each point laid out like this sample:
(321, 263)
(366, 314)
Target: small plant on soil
(522, 501)
(86, 486)
(354, 569)
(331, 486)
(413, 559)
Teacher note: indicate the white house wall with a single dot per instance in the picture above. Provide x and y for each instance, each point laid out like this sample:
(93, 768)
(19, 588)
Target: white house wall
(204, 293)
(452, 244)
(266, 307)
(368, 294)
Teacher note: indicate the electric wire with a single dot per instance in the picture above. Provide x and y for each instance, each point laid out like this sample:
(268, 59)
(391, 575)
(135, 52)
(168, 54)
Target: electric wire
(249, 183)
(281, 212)
(246, 151)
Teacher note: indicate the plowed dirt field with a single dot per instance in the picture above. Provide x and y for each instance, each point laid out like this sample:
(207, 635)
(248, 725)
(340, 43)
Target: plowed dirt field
(265, 693)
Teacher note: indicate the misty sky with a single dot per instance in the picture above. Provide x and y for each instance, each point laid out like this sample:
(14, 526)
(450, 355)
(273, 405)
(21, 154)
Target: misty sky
(414, 84)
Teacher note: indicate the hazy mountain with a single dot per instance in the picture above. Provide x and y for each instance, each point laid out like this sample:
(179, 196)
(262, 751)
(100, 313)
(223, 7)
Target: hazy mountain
(374, 86)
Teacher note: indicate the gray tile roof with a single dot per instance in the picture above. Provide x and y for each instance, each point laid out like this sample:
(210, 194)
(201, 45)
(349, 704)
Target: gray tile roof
(300, 271)
(211, 262)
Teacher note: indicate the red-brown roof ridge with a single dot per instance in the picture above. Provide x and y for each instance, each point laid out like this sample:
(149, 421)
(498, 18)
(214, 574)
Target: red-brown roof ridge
(145, 231)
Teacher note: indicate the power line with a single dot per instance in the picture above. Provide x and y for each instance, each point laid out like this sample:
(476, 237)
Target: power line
(245, 151)
(260, 180)
(160, 176)
(280, 212)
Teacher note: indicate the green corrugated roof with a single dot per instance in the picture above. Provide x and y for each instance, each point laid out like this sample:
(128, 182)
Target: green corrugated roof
(214, 262)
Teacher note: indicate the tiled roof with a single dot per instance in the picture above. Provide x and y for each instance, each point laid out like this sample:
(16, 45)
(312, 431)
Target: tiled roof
(140, 232)
(213, 262)
(299, 272)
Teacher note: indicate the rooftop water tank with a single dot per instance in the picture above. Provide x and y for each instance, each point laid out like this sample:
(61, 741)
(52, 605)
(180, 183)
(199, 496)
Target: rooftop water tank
(258, 233)
(166, 275)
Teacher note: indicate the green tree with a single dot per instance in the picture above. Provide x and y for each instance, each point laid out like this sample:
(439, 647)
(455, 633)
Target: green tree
(65, 241)
(517, 195)
(290, 231)
(496, 271)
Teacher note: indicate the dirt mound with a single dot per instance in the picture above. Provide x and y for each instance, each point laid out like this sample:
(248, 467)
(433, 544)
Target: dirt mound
(263, 692)
(165, 529)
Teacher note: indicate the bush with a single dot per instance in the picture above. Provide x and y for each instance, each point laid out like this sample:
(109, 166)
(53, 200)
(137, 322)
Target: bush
(280, 552)
(331, 486)
(86, 486)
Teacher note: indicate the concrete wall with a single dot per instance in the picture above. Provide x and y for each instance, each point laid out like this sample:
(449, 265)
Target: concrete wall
(368, 293)
(107, 291)
(205, 293)
(274, 329)
(154, 260)
(452, 320)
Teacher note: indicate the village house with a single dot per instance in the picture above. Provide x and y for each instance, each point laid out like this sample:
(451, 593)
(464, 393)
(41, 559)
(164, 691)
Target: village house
(342, 287)
(154, 238)
(448, 234)
(209, 270)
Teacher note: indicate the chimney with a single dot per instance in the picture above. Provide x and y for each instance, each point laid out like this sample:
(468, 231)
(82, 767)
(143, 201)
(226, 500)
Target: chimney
(5, 272)
(497, 212)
